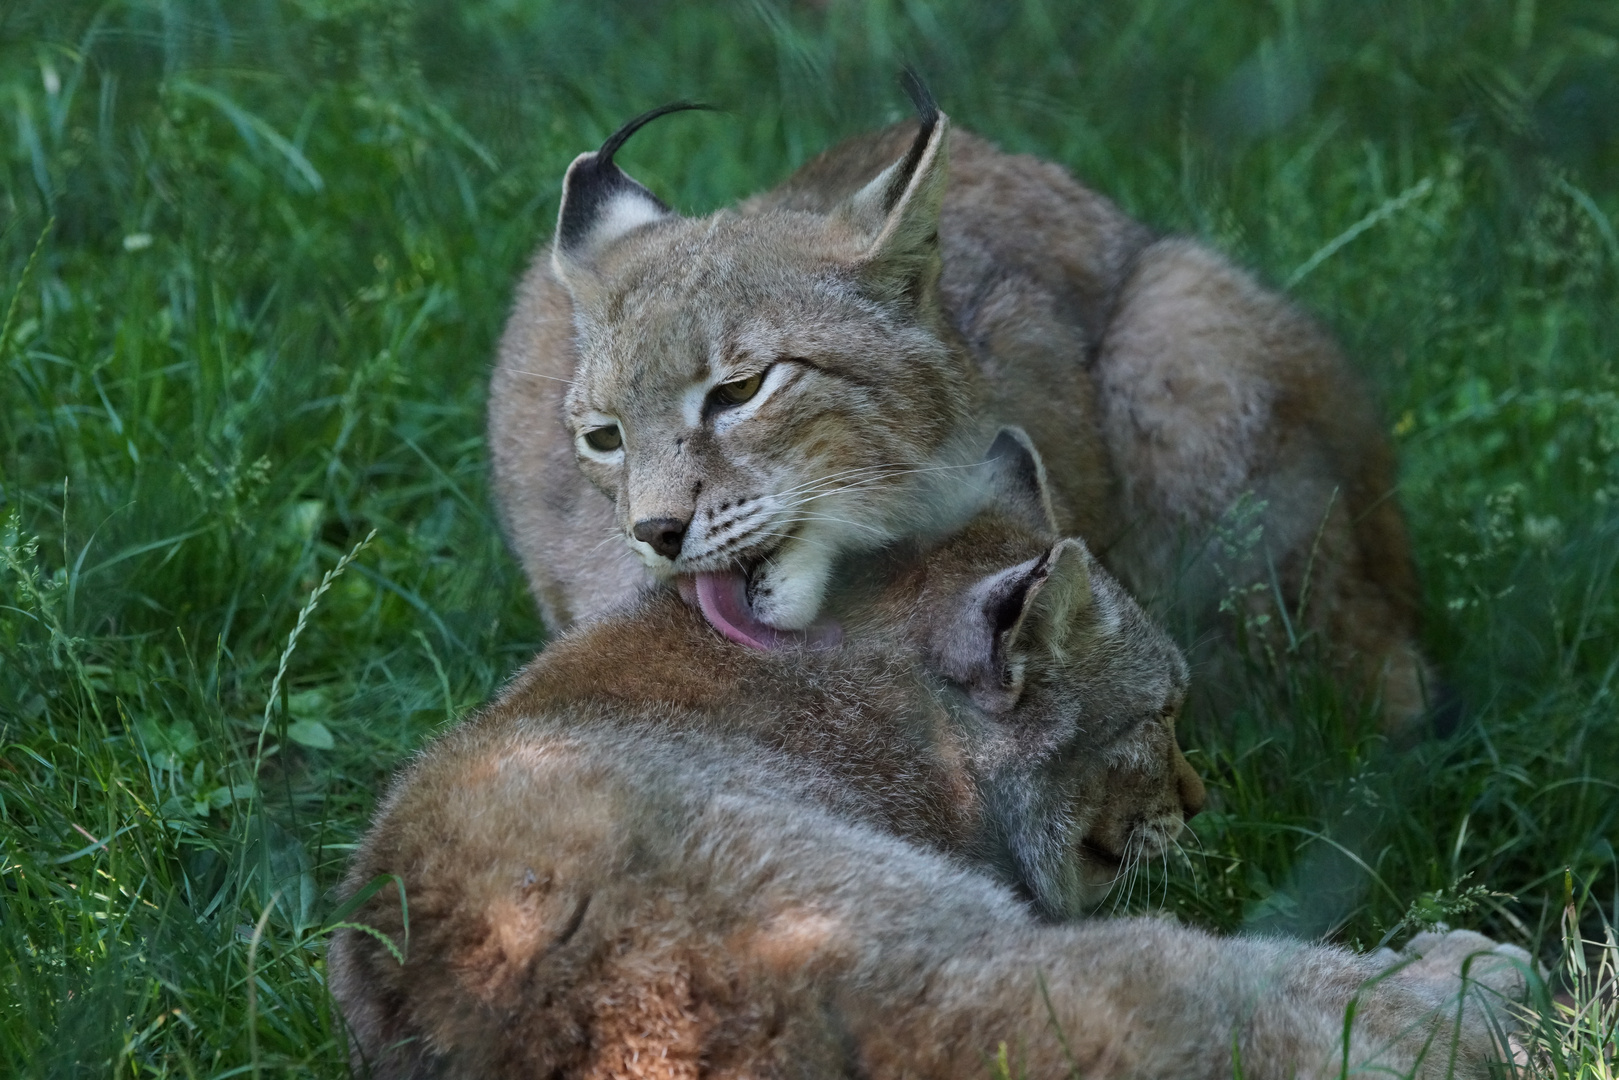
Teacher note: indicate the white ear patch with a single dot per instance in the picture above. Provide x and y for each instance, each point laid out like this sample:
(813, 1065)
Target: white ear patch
(870, 205)
(625, 212)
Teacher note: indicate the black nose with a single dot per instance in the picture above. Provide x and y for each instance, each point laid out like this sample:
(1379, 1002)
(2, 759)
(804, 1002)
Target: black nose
(663, 534)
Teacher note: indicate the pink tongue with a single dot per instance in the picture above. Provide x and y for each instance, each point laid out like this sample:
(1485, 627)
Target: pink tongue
(723, 599)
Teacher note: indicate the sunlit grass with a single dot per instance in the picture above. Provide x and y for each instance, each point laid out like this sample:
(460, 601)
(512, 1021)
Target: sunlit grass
(1575, 1033)
(256, 257)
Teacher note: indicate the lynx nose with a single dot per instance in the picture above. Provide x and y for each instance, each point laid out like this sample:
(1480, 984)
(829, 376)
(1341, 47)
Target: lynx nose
(663, 535)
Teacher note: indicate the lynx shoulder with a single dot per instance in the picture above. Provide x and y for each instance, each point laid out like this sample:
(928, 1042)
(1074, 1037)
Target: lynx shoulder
(757, 391)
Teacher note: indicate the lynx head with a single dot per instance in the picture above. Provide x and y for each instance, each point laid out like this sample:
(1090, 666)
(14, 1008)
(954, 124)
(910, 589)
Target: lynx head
(759, 393)
(1084, 690)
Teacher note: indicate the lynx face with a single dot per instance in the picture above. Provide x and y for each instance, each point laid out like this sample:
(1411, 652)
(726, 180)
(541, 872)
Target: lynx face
(1083, 687)
(759, 394)
(1117, 682)
(752, 410)
(1095, 782)
(1135, 805)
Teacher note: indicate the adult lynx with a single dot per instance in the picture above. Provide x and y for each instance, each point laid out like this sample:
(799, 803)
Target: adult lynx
(761, 389)
(662, 855)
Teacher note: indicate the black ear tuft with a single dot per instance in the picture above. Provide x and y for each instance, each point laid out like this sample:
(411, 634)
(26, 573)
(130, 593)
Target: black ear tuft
(896, 214)
(617, 139)
(927, 112)
(594, 182)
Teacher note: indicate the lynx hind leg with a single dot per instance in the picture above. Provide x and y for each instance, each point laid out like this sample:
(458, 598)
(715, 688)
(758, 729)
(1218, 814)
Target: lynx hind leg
(1226, 410)
(586, 907)
(1484, 977)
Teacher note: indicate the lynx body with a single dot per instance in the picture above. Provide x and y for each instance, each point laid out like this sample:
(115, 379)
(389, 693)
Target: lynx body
(660, 854)
(803, 376)
(676, 906)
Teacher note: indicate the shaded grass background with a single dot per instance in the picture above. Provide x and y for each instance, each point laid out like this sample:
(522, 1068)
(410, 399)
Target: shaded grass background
(256, 256)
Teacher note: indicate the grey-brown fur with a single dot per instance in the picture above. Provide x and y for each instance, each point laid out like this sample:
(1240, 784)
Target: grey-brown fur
(674, 907)
(1160, 383)
(659, 854)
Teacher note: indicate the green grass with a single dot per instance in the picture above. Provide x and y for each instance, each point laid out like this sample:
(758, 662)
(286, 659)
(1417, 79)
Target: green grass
(255, 259)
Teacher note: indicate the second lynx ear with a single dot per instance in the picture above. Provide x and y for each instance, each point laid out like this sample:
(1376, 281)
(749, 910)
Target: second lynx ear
(1007, 616)
(600, 201)
(1017, 481)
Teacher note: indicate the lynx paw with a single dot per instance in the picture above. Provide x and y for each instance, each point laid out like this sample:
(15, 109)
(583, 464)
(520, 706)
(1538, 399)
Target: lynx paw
(1444, 958)
(788, 589)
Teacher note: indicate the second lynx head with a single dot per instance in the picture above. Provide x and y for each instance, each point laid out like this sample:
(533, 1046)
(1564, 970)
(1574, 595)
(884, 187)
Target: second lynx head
(761, 392)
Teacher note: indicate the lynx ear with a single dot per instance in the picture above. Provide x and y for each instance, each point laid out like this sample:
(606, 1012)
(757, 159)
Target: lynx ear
(899, 210)
(1018, 480)
(1008, 617)
(600, 202)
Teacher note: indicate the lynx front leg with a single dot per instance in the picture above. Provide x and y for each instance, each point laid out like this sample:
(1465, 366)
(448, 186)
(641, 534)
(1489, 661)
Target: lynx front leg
(1145, 998)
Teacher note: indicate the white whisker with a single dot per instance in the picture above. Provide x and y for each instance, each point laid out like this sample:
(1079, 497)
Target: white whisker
(816, 541)
(871, 481)
(537, 375)
(796, 519)
(865, 475)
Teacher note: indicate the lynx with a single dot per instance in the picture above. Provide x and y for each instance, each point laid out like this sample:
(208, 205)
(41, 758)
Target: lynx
(674, 907)
(662, 854)
(762, 390)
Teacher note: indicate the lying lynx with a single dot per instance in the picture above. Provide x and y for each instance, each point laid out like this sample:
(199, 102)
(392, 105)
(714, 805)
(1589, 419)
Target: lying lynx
(676, 906)
(763, 389)
(662, 855)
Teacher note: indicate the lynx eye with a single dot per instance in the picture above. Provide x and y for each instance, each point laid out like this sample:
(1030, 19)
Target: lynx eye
(604, 439)
(737, 391)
